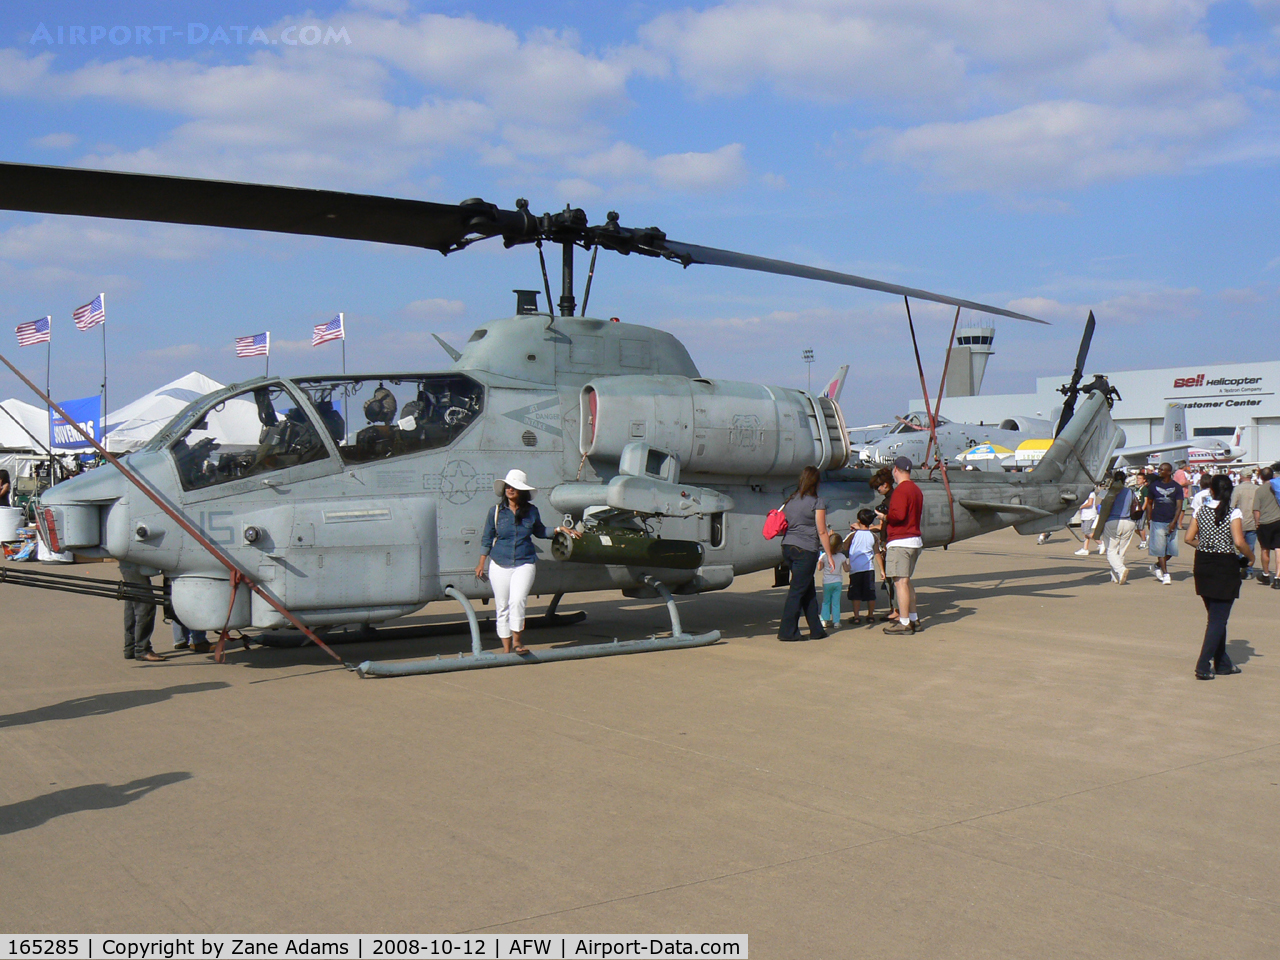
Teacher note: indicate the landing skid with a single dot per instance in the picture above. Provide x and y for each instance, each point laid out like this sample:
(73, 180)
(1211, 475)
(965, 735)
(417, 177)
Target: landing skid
(368, 634)
(479, 659)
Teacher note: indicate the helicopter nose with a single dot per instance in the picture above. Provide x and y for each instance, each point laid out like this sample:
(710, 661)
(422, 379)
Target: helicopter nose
(70, 514)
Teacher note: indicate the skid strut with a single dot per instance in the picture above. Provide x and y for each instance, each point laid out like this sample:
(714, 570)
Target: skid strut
(480, 660)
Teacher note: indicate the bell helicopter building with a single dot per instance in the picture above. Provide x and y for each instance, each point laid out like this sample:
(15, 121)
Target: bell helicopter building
(1219, 399)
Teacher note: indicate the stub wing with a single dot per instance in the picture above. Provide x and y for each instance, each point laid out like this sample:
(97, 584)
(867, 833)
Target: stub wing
(987, 506)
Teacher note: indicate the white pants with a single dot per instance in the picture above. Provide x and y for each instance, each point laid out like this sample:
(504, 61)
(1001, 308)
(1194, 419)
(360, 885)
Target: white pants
(510, 595)
(1118, 535)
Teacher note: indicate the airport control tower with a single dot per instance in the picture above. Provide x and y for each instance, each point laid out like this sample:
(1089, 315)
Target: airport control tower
(969, 360)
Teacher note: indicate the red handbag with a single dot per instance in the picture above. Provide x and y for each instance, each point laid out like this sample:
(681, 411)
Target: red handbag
(775, 524)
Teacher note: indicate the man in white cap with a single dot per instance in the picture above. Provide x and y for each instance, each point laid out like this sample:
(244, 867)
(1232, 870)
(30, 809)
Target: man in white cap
(507, 543)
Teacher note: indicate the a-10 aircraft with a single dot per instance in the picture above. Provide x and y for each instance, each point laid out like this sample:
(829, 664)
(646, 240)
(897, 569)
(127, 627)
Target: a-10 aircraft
(909, 437)
(366, 496)
(1015, 442)
(1018, 442)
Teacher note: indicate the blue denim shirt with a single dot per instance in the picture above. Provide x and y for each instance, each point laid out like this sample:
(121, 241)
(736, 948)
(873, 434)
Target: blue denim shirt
(1122, 506)
(510, 543)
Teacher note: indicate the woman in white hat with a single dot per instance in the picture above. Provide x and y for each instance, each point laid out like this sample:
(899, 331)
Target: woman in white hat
(508, 543)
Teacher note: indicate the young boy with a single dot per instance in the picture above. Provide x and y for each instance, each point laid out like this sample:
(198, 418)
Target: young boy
(862, 574)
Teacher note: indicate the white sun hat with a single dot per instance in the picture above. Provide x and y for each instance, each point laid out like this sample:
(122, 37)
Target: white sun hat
(514, 478)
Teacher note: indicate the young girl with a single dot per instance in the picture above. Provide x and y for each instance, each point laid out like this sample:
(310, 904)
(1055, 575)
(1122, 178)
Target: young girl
(862, 575)
(832, 581)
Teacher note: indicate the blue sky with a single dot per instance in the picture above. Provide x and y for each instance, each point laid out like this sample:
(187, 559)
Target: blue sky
(1113, 155)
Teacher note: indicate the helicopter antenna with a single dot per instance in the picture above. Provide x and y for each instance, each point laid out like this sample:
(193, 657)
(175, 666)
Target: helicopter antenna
(546, 282)
(591, 272)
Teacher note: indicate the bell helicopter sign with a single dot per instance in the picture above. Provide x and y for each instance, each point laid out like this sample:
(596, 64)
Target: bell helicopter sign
(1221, 384)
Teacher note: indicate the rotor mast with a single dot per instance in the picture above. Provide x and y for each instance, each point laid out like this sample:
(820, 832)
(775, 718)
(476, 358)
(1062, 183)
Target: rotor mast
(567, 305)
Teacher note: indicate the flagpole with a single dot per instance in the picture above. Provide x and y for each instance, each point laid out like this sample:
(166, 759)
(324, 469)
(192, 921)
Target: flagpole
(103, 422)
(268, 372)
(48, 419)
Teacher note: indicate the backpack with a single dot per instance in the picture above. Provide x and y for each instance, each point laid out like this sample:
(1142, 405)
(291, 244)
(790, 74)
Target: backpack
(775, 523)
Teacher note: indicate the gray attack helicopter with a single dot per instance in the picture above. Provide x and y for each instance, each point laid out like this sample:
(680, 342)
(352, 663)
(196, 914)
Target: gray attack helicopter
(366, 495)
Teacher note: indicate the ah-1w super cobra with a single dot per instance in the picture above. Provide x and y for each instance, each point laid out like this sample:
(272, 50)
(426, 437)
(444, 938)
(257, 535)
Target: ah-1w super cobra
(364, 522)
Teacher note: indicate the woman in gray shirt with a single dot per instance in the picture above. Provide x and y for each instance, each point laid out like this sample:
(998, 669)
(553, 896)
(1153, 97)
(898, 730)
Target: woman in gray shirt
(805, 539)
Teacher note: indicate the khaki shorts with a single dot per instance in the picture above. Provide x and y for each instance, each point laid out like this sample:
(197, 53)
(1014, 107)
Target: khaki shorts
(900, 561)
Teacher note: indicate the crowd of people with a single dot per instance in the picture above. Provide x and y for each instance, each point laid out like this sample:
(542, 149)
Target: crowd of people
(1155, 505)
(884, 542)
(1232, 523)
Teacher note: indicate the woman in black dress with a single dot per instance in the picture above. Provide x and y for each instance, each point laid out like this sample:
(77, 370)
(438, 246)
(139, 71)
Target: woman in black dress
(1217, 533)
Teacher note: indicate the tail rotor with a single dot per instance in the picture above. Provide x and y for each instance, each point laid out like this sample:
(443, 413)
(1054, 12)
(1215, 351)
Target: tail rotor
(1072, 390)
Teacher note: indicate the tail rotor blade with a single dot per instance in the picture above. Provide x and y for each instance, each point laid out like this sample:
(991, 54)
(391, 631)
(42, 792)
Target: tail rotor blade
(1072, 390)
(1083, 353)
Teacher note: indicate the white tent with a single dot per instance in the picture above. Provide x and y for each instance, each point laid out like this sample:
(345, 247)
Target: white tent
(33, 431)
(130, 427)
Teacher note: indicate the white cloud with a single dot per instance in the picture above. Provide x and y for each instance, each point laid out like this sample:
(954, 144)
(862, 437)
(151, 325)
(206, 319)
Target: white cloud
(1131, 307)
(395, 7)
(290, 347)
(22, 74)
(1064, 144)
(716, 170)
(82, 240)
(623, 163)
(1022, 94)
(56, 141)
(434, 309)
(181, 351)
(819, 51)
(407, 91)
(946, 51)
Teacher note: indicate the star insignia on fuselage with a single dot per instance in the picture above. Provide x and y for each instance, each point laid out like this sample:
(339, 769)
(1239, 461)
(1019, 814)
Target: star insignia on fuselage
(458, 482)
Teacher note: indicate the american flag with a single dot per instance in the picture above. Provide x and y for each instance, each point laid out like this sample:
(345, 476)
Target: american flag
(259, 345)
(37, 331)
(91, 314)
(324, 332)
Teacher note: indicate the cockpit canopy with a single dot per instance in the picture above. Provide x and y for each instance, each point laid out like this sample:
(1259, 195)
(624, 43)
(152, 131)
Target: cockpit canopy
(358, 419)
(915, 421)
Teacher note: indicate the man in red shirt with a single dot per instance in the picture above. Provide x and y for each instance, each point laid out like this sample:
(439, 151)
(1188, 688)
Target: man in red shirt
(903, 544)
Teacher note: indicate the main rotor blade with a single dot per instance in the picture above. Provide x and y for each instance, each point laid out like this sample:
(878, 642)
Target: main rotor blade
(692, 253)
(354, 216)
(1085, 340)
(244, 206)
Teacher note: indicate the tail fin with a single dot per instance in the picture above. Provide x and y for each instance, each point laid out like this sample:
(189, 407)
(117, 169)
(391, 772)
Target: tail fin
(1175, 429)
(1238, 439)
(1085, 447)
(835, 386)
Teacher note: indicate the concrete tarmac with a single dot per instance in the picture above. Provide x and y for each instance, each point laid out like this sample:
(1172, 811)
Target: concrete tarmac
(1036, 774)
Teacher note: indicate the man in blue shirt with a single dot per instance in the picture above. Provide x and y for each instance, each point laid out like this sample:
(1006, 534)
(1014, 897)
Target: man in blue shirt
(1119, 526)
